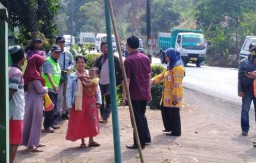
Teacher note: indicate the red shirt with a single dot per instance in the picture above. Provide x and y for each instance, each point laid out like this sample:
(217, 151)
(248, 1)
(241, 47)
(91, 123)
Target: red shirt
(137, 67)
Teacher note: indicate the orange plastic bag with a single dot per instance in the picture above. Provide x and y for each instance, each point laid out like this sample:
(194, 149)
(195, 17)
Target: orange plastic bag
(48, 105)
(254, 88)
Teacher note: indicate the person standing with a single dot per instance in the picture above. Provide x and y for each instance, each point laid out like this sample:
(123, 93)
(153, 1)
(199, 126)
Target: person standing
(138, 72)
(66, 63)
(102, 64)
(51, 73)
(172, 91)
(83, 106)
(16, 99)
(246, 76)
(34, 104)
(35, 48)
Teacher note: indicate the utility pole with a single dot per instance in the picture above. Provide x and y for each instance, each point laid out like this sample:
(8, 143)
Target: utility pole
(4, 93)
(149, 36)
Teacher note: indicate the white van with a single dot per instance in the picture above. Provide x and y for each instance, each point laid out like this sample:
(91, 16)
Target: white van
(103, 37)
(244, 52)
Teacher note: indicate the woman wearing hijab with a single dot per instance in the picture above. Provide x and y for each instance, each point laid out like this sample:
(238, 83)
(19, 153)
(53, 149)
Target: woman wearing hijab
(84, 119)
(34, 104)
(172, 91)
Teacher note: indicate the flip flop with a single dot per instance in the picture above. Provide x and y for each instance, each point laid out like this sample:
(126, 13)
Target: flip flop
(41, 145)
(83, 146)
(35, 150)
(94, 144)
(254, 144)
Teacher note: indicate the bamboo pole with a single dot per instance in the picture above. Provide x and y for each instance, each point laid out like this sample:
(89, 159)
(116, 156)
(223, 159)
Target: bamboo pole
(126, 83)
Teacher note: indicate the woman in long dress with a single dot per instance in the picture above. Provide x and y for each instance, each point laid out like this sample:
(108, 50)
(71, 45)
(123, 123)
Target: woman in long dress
(83, 120)
(34, 104)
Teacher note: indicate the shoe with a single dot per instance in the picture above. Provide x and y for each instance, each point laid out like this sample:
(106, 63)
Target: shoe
(103, 120)
(49, 130)
(65, 116)
(171, 134)
(147, 142)
(133, 146)
(55, 126)
(94, 144)
(164, 130)
(244, 133)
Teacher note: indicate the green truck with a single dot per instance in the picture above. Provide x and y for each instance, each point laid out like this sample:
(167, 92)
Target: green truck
(190, 43)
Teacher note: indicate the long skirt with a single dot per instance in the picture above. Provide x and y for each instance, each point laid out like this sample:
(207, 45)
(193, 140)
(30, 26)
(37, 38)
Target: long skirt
(83, 123)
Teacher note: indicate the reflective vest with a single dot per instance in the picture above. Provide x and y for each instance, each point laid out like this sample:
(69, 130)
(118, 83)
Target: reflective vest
(56, 74)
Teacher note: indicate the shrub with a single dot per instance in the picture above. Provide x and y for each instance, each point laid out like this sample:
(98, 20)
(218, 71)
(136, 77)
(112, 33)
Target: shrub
(156, 90)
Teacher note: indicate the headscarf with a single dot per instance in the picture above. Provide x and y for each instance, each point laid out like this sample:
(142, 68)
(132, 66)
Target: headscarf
(174, 57)
(33, 69)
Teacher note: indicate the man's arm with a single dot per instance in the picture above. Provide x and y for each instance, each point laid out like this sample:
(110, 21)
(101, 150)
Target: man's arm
(55, 88)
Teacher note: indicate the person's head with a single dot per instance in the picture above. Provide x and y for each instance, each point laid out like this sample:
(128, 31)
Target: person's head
(252, 56)
(17, 55)
(60, 40)
(80, 62)
(55, 52)
(94, 72)
(132, 43)
(37, 43)
(172, 57)
(104, 47)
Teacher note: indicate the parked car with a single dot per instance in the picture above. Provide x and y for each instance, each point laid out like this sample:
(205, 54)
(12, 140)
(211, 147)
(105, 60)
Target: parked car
(244, 52)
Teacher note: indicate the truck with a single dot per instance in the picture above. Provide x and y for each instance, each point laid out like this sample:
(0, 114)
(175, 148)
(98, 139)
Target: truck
(88, 39)
(190, 43)
(244, 52)
(69, 40)
(103, 37)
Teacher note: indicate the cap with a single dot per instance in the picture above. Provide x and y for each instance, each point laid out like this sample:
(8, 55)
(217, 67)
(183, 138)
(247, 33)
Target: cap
(14, 49)
(56, 48)
(37, 40)
(60, 39)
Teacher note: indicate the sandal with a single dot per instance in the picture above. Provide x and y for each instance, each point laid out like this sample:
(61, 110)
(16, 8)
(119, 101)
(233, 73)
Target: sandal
(40, 145)
(83, 146)
(94, 144)
(35, 149)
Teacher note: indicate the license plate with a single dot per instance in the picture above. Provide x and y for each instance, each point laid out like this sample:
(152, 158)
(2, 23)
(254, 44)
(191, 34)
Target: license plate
(193, 59)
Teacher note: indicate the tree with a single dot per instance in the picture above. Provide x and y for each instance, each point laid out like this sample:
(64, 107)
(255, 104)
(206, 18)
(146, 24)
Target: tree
(34, 18)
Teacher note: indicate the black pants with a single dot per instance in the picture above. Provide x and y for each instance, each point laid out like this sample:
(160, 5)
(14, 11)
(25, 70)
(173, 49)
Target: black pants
(106, 97)
(171, 120)
(50, 116)
(139, 109)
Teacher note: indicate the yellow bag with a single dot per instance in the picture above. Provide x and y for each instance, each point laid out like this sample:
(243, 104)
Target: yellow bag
(48, 105)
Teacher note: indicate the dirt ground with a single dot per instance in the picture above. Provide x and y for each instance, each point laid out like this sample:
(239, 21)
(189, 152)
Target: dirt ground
(210, 134)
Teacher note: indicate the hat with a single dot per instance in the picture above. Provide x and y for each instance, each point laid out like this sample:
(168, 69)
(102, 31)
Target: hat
(60, 39)
(56, 48)
(37, 40)
(14, 49)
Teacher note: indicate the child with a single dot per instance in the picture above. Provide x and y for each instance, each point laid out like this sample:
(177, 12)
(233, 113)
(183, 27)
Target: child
(91, 82)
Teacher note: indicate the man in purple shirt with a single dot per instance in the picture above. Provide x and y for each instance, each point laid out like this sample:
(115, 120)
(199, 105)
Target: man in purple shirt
(138, 72)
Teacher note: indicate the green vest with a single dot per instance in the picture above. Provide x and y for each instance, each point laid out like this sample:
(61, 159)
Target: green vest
(55, 75)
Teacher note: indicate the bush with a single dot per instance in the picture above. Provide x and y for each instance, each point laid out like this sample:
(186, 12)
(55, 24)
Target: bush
(156, 90)
(91, 59)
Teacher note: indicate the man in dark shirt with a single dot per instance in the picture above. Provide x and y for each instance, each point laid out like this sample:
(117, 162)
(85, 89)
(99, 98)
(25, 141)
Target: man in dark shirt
(138, 72)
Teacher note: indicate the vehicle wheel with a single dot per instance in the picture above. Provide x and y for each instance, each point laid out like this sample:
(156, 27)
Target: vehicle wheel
(185, 63)
(198, 64)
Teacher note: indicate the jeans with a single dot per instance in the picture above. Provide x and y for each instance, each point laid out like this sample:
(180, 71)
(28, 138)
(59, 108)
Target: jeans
(61, 102)
(106, 97)
(51, 116)
(246, 104)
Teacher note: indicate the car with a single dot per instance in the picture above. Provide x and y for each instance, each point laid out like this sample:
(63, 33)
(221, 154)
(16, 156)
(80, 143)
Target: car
(244, 52)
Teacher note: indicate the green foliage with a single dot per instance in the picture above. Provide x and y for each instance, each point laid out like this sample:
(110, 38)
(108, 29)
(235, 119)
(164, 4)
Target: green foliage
(91, 59)
(156, 90)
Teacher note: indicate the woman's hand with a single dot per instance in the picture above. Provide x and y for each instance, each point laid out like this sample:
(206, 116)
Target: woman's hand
(251, 74)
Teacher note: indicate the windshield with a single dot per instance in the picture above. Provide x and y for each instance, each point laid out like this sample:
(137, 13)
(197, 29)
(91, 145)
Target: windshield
(248, 42)
(89, 39)
(105, 39)
(193, 41)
